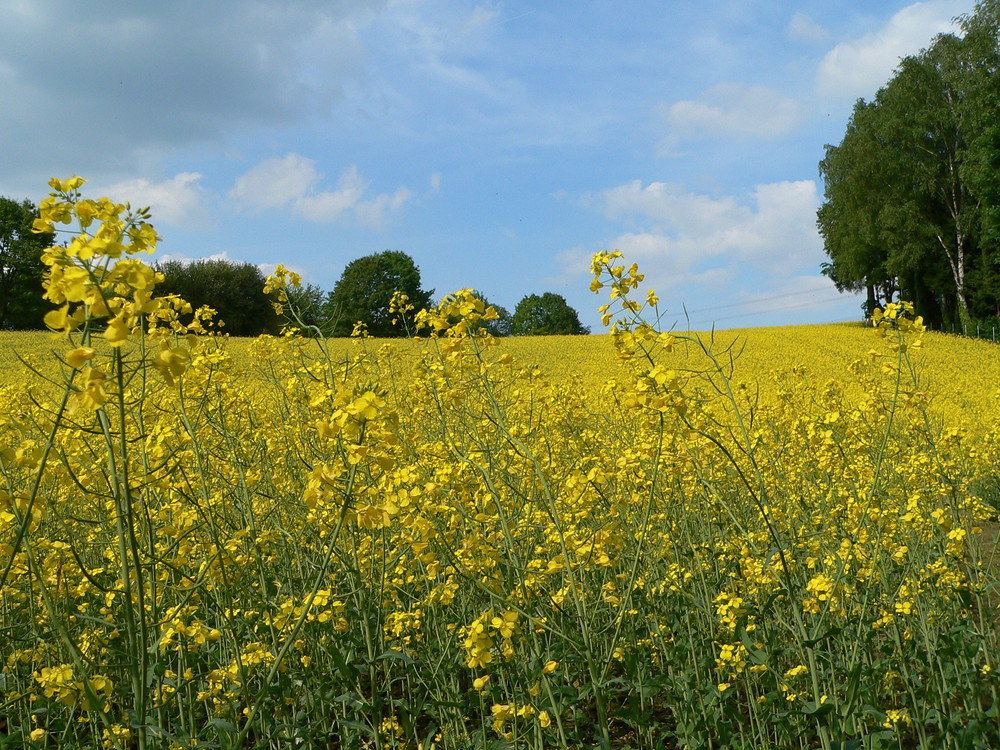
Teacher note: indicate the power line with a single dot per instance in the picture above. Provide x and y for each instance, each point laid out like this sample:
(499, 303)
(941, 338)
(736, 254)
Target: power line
(811, 303)
(758, 300)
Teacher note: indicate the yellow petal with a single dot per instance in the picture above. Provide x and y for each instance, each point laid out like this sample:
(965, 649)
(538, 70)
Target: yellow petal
(117, 331)
(41, 226)
(78, 356)
(56, 318)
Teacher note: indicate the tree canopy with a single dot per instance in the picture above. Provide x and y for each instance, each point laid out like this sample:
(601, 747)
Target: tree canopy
(309, 302)
(912, 193)
(366, 288)
(545, 315)
(234, 290)
(21, 267)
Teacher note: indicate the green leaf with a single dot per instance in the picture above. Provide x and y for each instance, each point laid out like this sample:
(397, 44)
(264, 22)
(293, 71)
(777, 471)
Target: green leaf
(818, 710)
(394, 655)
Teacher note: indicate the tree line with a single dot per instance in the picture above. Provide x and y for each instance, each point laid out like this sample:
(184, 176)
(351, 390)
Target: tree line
(911, 204)
(359, 300)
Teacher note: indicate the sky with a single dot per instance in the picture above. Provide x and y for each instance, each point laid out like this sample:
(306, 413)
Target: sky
(499, 144)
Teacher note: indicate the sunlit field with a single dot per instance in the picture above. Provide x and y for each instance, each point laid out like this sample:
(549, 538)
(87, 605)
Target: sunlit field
(960, 376)
(766, 538)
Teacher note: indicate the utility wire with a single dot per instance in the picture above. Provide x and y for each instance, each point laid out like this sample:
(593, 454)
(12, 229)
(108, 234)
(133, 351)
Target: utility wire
(811, 303)
(758, 300)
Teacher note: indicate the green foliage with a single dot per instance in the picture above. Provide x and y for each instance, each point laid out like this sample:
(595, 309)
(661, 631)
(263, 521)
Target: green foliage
(546, 315)
(912, 196)
(233, 290)
(309, 302)
(21, 267)
(849, 219)
(365, 289)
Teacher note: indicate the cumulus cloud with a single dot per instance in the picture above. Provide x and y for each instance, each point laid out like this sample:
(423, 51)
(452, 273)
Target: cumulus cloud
(724, 260)
(681, 238)
(859, 67)
(293, 181)
(775, 222)
(728, 110)
(180, 201)
(275, 182)
(668, 206)
(329, 205)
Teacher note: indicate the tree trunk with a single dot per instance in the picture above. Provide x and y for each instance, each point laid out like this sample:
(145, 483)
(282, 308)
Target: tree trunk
(872, 302)
(956, 260)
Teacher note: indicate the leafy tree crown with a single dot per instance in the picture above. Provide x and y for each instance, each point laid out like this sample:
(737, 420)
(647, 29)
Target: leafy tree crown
(364, 292)
(546, 315)
(21, 267)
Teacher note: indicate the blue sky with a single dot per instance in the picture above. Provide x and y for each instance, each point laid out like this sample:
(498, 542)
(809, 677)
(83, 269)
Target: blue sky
(500, 144)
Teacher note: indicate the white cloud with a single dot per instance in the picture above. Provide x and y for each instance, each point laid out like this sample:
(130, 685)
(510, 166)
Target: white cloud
(185, 260)
(725, 260)
(275, 182)
(329, 205)
(372, 213)
(684, 237)
(729, 110)
(180, 201)
(804, 29)
(859, 67)
(292, 181)
(666, 205)
(783, 230)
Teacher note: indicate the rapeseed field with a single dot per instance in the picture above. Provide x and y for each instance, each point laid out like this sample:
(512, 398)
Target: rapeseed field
(764, 538)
